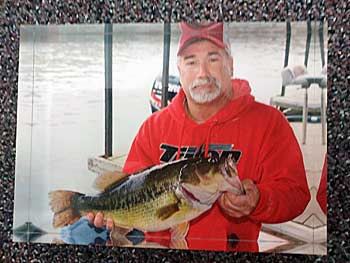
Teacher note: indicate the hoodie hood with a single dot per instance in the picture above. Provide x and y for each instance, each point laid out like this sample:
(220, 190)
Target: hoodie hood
(240, 101)
(242, 98)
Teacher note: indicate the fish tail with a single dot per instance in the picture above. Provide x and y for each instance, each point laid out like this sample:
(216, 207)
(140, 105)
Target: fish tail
(62, 206)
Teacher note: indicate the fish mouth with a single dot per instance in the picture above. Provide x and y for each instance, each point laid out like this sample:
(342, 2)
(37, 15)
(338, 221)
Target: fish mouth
(231, 182)
(202, 183)
(200, 199)
(188, 195)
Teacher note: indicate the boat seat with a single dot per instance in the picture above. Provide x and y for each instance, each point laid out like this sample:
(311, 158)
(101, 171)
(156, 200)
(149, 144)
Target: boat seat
(299, 83)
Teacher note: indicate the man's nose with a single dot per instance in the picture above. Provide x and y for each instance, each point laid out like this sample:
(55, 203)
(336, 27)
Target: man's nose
(203, 70)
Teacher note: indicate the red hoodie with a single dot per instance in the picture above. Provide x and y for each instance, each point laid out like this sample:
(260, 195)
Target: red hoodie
(269, 155)
(321, 195)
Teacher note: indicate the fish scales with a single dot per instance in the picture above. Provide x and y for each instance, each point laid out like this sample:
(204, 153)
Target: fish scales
(137, 198)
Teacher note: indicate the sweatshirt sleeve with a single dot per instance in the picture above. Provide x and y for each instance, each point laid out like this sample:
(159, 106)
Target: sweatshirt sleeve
(284, 192)
(140, 154)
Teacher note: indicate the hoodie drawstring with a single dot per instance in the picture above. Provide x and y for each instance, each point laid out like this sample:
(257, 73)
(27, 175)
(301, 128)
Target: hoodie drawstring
(178, 155)
(207, 142)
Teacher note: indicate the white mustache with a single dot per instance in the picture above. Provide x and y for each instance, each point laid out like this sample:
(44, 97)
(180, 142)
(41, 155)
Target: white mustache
(204, 81)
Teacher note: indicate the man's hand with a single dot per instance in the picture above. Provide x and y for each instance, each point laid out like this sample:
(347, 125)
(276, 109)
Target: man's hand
(240, 205)
(100, 221)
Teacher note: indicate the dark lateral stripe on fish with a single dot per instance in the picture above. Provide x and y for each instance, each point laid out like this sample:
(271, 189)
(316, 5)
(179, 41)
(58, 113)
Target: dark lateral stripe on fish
(127, 200)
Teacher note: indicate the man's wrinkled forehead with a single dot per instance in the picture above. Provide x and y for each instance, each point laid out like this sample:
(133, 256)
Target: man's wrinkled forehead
(201, 47)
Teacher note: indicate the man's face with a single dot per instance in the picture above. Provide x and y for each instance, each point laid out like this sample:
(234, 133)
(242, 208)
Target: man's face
(205, 72)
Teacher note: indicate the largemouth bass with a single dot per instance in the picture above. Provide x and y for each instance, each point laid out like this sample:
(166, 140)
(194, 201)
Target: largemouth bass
(165, 196)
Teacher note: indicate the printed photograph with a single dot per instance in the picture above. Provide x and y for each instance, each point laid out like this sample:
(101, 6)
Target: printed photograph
(198, 136)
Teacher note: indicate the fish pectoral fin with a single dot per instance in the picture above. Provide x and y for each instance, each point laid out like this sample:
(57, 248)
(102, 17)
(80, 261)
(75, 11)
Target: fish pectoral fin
(178, 244)
(107, 179)
(178, 236)
(179, 231)
(167, 211)
(118, 236)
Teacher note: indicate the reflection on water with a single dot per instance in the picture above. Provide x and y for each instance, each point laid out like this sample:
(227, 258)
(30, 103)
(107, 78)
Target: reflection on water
(61, 96)
(84, 232)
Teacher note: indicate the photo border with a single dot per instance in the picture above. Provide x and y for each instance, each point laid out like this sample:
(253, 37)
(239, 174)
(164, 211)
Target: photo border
(15, 13)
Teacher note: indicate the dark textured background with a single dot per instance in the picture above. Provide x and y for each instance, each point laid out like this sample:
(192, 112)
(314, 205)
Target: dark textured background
(17, 12)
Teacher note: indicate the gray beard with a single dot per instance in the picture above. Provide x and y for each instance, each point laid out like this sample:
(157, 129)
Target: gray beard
(205, 96)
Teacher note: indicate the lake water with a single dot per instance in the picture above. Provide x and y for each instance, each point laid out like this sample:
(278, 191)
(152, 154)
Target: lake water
(61, 96)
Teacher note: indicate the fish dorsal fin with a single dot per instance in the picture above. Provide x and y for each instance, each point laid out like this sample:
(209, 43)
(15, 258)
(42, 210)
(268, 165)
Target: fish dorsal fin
(107, 179)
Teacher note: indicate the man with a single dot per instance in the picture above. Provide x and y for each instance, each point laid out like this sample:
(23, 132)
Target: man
(214, 115)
